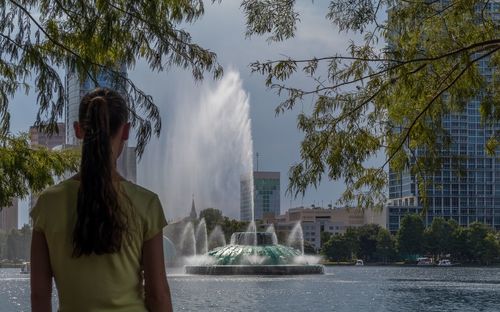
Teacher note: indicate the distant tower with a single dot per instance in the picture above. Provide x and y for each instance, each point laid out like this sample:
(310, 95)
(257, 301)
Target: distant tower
(193, 215)
(9, 216)
(266, 195)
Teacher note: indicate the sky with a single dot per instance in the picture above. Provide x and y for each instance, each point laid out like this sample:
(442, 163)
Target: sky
(275, 138)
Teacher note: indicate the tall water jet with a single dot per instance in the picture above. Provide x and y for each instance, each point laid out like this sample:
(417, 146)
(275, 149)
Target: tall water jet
(207, 147)
(216, 238)
(296, 238)
(270, 229)
(188, 241)
(201, 238)
(252, 228)
(169, 252)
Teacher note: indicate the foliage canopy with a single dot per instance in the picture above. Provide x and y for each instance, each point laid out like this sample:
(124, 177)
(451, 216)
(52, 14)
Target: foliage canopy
(38, 39)
(410, 236)
(375, 97)
(24, 168)
(443, 239)
(388, 92)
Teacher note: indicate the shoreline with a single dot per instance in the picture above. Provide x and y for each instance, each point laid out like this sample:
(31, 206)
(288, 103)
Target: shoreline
(396, 264)
(11, 265)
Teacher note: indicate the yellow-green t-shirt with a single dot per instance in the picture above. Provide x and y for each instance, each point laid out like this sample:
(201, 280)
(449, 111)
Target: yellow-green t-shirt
(109, 282)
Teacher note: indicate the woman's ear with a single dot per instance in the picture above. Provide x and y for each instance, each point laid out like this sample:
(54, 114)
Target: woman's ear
(126, 131)
(78, 130)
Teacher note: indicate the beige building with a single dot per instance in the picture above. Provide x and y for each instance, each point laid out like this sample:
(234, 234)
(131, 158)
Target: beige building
(316, 220)
(38, 138)
(49, 141)
(9, 217)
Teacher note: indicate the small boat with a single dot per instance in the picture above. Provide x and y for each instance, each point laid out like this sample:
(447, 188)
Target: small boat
(359, 262)
(424, 261)
(445, 262)
(26, 268)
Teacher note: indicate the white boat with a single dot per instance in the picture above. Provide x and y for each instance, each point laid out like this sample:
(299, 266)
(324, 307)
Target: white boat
(26, 268)
(359, 262)
(424, 261)
(445, 262)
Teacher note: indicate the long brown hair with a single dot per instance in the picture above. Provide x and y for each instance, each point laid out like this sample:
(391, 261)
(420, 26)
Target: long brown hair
(101, 222)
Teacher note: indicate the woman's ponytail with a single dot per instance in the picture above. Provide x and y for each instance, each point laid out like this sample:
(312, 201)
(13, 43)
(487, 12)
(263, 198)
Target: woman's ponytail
(101, 223)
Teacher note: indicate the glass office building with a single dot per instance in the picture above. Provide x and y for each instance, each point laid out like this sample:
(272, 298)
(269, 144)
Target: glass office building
(467, 187)
(76, 89)
(266, 195)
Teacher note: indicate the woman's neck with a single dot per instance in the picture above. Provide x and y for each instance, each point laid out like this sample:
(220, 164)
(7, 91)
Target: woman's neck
(116, 176)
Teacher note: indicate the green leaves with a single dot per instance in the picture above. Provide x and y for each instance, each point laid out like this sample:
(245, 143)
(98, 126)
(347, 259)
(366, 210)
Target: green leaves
(276, 17)
(410, 235)
(39, 37)
(353, 15)
(390, 99)
(25, 169)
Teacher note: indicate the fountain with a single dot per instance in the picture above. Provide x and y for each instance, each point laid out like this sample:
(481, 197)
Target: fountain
(262, 258)
(208, 145)
(296, 238)
(201, 238)
(188, 241)
(270, 229)
(216, 238)
(208, 148)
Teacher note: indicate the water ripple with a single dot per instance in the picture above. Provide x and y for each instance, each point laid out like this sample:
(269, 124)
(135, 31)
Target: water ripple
(342, 289)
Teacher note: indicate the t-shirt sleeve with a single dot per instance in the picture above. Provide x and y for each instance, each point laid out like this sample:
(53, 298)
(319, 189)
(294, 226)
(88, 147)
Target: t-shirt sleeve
(155, 219)
(37, 215)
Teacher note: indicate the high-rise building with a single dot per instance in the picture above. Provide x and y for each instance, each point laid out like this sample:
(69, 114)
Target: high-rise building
(76, 89)
(266, 195)
(467, 186)
(9, 216)
(246, 190)
(466, 191)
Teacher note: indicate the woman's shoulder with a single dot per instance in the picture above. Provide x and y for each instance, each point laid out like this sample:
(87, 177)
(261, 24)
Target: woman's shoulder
(59, 188)
(53, 200)
(137, 192)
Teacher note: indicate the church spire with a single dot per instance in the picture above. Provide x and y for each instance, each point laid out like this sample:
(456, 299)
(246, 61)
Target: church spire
(193, 215)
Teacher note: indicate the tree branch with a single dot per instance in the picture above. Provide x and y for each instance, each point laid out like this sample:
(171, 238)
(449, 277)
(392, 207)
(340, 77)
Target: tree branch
(488, 44)
(428, 106)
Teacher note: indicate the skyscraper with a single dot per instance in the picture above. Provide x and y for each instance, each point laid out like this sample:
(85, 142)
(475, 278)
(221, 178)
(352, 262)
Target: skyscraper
(466, 196)
(9, 216)
(467, 186)
(76, 89)
(266, 195)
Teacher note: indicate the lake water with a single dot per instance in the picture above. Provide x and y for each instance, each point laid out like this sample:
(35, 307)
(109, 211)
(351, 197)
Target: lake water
(341, 289)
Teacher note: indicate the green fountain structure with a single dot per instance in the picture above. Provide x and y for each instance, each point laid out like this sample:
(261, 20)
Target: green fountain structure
(254, 253)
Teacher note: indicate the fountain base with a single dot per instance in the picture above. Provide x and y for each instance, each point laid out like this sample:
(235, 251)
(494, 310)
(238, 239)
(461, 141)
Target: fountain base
(254, 269)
